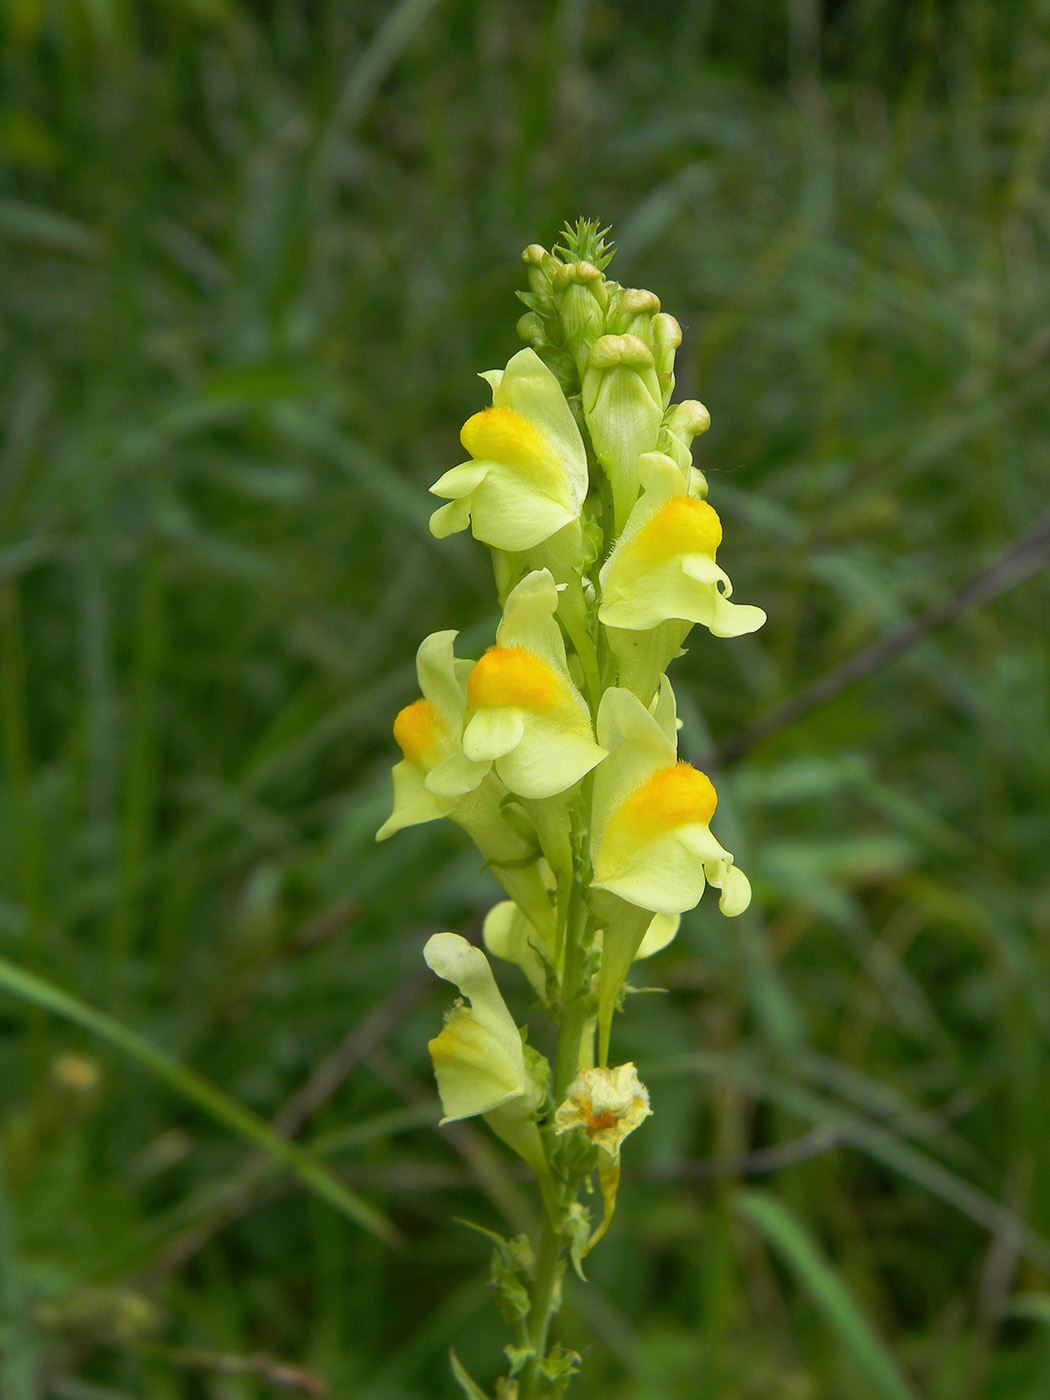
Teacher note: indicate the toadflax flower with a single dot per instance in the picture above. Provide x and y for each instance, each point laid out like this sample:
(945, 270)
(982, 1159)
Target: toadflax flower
(480, 1060)
(663, 565)
(528, 475)
(651, 836)
(428, 733)
(524, 715)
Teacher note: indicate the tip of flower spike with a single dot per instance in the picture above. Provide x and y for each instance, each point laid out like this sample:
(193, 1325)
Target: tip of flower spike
(585, 241)
(513, 676)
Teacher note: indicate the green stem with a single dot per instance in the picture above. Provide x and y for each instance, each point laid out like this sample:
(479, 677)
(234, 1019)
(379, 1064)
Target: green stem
(542, 1303)
(574, 1014)
(572, 1025)
(572, 611)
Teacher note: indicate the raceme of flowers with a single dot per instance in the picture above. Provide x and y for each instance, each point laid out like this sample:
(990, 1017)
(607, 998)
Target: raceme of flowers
(556, 749)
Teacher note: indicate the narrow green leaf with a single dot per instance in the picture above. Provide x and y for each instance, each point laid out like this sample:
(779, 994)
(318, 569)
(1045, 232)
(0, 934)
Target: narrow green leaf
(827, 1289)
(200, 1091)
(469, 1387)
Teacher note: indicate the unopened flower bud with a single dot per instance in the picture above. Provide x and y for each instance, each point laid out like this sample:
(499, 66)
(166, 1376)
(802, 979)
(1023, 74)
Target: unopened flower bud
(531, 329)
(539, 268)
(685, 421)
(582, 297)
(632, 313)
(667, 336)
(622, 405)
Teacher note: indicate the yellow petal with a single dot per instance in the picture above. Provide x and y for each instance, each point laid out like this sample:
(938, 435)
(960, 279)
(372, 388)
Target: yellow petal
(473, 1070)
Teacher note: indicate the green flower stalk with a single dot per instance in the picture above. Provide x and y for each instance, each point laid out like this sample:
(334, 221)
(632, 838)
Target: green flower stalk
(556, 750)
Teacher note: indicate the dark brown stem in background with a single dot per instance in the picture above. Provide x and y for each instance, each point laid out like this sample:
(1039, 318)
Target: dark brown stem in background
(1028, 553)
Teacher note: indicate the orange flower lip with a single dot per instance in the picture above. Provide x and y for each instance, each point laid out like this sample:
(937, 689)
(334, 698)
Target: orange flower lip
(420, 733)
(513, 676)
(499, 434)
(685, 525)
(598, 1121)
(672, 797)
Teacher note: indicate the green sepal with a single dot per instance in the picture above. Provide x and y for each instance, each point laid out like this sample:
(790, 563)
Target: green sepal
(519, 821)
(594, 547)
(518, 1357)
(585, 241)
(558, 1368)
(578, 1227)
(512, 1298)
(562, 366)
(541, 305)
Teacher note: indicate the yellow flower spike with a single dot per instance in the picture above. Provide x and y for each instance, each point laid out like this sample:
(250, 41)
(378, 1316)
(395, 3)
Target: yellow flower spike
(524, 714)
(528, 476)
(663, 565)
(650, 815)
(606, 1105)
(623, 405)
(479, 1058)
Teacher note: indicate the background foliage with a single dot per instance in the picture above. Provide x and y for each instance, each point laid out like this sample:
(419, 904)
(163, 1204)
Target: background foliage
(251, 259)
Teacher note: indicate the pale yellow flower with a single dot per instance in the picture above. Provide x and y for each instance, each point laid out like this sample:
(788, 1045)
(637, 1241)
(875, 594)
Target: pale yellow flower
(481, 1063)
(525, 716)
(651, 814)
(528, 476)
(428, 732)
(478, 1058)
(663, 565)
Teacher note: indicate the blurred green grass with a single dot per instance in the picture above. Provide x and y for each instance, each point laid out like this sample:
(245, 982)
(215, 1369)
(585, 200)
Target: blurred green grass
(251, 260)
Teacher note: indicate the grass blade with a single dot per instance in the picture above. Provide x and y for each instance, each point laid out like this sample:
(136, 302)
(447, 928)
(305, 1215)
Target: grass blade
(827, 1290)
(199, 1091)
